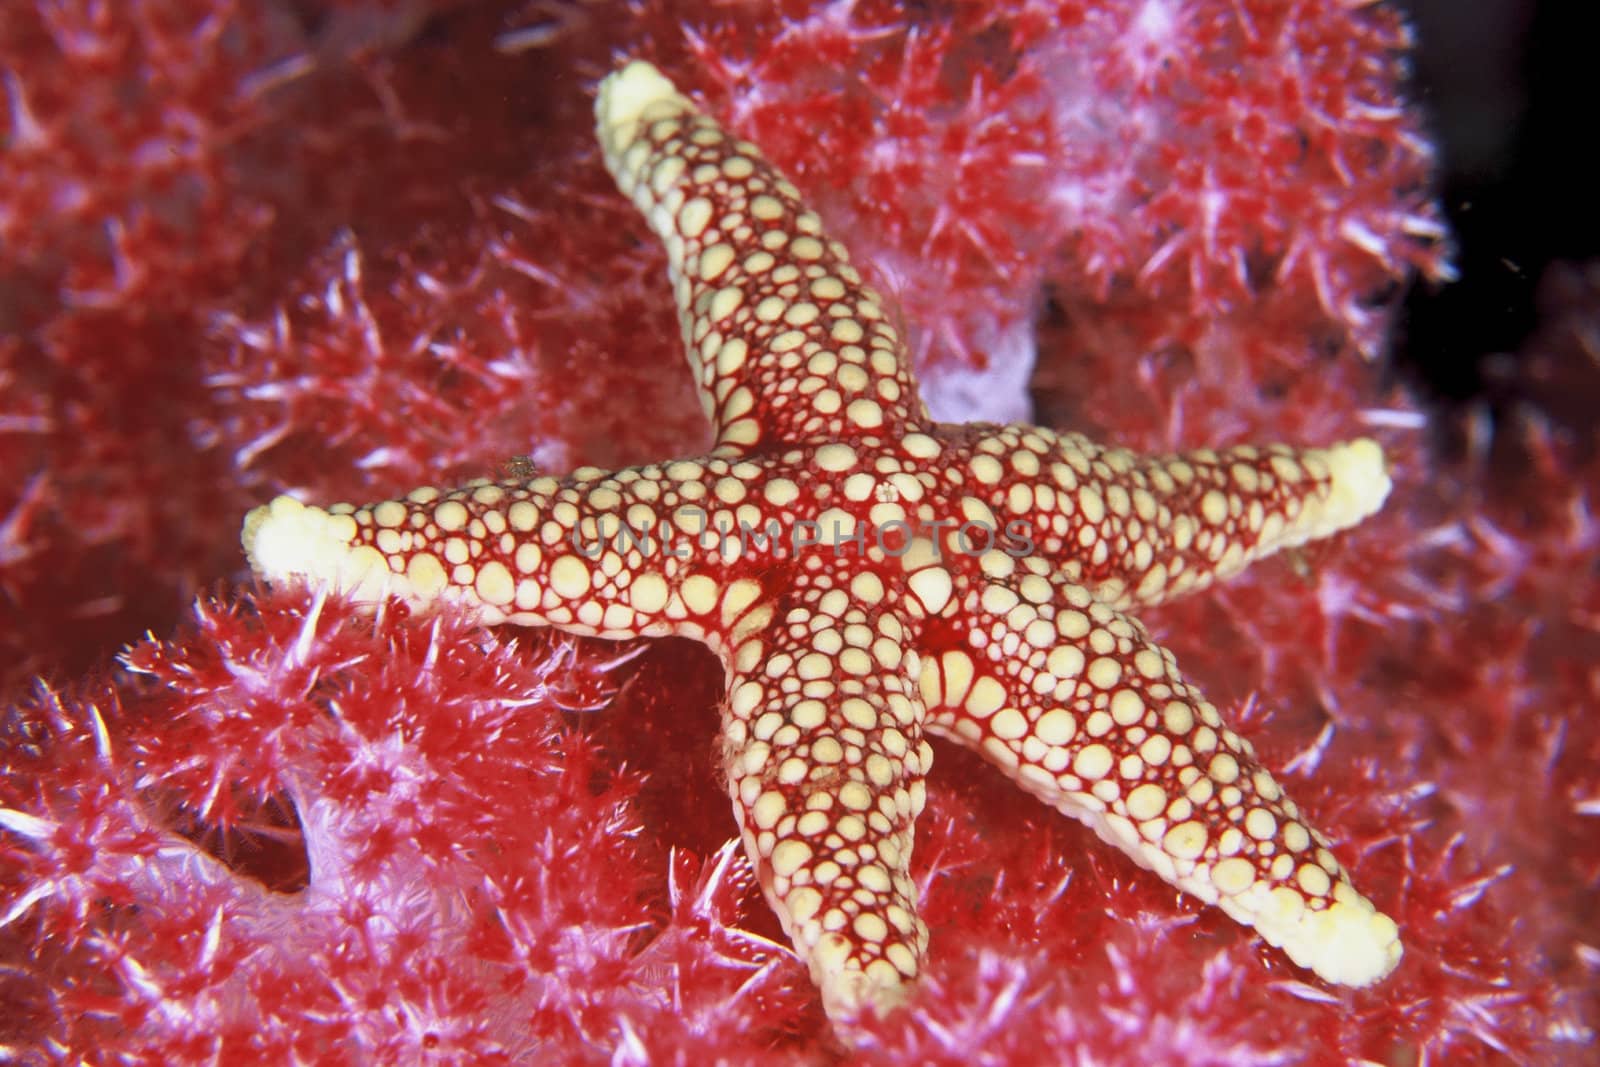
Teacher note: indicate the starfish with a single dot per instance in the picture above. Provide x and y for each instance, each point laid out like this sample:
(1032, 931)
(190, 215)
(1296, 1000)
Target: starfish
(870, 577)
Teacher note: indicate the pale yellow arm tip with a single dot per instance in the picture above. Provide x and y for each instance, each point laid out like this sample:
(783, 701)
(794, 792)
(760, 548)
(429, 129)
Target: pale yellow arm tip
(286, 540)
(274, 532)
(625, 98)
(848, 992)
(1350, 943)
(1360, 482)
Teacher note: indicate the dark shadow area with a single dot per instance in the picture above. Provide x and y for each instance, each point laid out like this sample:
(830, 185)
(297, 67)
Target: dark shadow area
(267, 847)
(1510, 101)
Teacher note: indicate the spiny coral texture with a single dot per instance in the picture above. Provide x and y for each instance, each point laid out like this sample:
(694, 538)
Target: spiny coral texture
(414, 267)
(453, 828)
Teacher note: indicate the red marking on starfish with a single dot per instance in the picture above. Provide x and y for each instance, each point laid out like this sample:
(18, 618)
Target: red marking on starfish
(869, 576)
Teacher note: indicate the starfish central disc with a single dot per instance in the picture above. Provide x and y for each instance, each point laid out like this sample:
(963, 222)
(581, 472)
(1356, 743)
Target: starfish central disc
(869, 577)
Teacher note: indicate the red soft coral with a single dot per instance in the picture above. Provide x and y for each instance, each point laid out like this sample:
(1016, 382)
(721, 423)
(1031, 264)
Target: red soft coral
(448, 831)
(352, 247)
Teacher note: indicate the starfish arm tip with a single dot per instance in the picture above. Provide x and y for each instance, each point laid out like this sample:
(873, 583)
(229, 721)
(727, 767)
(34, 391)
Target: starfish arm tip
(1360, 485)
(271, 534)
(624, 98)
(285, 540)
(1349, 943)
(849, 991)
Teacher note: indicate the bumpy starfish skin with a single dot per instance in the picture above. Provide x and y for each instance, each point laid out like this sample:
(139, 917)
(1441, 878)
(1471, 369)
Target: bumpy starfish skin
(868, 576)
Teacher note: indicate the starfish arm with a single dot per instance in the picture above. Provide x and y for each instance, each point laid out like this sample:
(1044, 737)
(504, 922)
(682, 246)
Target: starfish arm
(825, 760)
(614, 555)
(1071, 698)
(785, 341)
(1141, 530)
